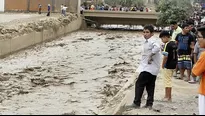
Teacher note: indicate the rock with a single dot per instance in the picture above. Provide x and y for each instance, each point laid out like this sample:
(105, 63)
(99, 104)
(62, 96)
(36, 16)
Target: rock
(158, 107)
(38, 26)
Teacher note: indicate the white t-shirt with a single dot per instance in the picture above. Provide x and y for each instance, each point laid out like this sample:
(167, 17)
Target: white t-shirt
(150, 46)
(64, 8)
(81, 8)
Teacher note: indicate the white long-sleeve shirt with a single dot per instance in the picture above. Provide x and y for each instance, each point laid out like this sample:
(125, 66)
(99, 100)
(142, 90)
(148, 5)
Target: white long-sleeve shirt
(148, 47)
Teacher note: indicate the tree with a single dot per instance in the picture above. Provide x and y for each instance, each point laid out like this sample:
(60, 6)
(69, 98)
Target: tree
(176, 10)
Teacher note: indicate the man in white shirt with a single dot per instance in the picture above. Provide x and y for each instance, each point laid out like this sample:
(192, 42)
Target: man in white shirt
(64, 10)
(149, 68)
(81, 10)
(176, 30)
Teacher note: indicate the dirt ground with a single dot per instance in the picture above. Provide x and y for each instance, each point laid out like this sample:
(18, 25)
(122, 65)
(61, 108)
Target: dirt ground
(184, 100)
(14, 18)
(14, 25)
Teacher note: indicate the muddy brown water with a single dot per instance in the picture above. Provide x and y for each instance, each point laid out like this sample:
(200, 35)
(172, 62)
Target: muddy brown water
(76, 74)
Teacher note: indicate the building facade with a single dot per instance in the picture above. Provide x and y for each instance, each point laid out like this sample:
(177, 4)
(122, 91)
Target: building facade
(32, 5)
(2, 5)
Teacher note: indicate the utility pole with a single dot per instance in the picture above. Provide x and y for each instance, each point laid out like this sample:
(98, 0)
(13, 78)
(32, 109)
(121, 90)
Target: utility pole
(28, 5)
(53, 5)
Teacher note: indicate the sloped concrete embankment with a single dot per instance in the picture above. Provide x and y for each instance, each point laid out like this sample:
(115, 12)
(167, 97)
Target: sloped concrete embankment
(32, 33)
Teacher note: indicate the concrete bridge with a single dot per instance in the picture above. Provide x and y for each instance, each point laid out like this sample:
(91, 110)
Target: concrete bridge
(119, 17)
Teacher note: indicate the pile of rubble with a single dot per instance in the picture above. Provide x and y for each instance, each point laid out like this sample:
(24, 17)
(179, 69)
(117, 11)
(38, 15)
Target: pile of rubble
(8, 32)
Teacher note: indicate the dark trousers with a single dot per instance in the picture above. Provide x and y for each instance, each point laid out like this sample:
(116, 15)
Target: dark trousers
(48, 14)
(39, 11)
(147, 80)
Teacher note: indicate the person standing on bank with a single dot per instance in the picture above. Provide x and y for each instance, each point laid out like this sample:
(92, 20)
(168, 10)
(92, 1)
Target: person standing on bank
(185, 42)
(176, 30)
(62, 9)
(169, 63)
(49, 10)
(39, 8)
(199, 70)
(149, 68)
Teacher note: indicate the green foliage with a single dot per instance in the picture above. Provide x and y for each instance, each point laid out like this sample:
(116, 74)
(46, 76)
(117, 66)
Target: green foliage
(127, 3)
(176, 10)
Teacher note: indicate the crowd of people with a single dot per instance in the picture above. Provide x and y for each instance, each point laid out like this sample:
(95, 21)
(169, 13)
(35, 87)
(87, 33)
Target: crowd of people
(115, 8)
(62, 7)
(183, 50)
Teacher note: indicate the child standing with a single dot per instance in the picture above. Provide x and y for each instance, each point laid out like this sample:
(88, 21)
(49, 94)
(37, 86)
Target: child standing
(169, 63)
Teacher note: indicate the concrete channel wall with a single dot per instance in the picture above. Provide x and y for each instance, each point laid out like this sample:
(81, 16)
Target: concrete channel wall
(13, 45)
(1, 5)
